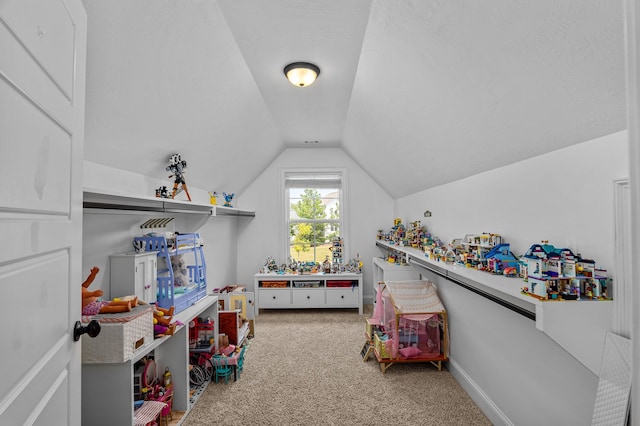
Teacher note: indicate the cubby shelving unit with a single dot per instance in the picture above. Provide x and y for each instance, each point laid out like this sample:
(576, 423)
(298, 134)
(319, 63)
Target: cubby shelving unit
(114, 382)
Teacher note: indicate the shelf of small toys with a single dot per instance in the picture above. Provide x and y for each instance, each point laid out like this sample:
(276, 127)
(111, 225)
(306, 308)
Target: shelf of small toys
(579, 325)
(121, 202)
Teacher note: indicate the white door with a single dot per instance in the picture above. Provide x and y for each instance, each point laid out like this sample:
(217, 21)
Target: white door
(42, 78)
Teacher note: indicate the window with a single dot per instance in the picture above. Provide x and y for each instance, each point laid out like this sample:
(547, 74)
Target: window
(314, 212)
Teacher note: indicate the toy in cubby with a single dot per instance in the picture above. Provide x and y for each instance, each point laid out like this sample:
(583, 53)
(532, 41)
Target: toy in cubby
(162, 325)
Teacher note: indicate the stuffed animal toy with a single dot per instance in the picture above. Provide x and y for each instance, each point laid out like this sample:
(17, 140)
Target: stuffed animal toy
(179, 266)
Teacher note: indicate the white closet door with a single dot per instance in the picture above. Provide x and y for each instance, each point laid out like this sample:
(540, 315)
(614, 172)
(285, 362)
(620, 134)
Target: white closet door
(42, 79)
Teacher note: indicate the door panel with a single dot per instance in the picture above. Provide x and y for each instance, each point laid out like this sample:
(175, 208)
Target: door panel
(42, 66)
(46, 31)
(40, 184)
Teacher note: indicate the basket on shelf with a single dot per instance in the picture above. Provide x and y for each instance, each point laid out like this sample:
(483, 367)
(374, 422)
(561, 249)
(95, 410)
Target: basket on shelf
(121, 335)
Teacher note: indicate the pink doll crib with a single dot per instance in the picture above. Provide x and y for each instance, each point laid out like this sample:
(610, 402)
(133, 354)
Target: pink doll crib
(413, 324)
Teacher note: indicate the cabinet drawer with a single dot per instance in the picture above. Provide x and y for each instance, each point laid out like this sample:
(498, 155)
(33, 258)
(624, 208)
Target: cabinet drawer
(308, 297)
(342, 297)
(274, 297)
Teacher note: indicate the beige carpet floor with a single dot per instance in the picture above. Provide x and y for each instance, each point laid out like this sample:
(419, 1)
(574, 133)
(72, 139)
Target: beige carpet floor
(304, 367)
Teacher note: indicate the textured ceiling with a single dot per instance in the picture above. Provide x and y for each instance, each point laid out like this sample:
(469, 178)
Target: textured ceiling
(418, 92)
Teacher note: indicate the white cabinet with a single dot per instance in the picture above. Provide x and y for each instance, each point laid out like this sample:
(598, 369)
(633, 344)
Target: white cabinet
(386, 271)
(134, 273)
(275, 291)
(113, 383)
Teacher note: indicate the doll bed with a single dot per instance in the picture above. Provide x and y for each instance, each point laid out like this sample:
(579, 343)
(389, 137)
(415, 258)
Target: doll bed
(412, 324)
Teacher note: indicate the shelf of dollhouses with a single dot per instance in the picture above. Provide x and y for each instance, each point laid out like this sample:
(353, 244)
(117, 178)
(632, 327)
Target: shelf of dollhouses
(106, 200)
(577, 326)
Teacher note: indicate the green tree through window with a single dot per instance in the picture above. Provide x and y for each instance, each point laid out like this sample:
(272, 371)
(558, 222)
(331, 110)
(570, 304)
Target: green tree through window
(310, 207)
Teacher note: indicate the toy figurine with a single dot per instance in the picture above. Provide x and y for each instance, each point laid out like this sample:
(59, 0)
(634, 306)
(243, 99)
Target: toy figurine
(177, 166)
(88, 296)
(92, 305)
(227, 199)
(162, 325)
(162, 192)
(213, 197)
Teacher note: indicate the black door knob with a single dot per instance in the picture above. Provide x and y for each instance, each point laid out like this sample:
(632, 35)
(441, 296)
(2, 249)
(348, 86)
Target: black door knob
(92, 329)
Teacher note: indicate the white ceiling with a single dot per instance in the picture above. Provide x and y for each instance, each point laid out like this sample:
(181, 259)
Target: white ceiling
(418, 92)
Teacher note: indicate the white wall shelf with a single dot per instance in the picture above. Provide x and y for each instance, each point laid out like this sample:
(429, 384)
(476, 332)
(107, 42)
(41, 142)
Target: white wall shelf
(577, 326)
(97, 199)
(386, 271)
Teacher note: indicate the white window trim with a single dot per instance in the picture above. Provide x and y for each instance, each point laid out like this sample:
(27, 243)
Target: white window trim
(283, 241)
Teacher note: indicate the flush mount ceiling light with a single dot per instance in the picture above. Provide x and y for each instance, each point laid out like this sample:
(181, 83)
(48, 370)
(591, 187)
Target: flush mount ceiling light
(301, 74)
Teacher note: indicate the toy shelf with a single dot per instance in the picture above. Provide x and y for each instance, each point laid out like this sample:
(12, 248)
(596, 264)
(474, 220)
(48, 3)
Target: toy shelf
(115, 381)
(103, 200)
(579, 327)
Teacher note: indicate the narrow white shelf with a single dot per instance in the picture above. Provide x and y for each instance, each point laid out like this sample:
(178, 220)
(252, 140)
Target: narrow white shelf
(103, 200)
(578, 326)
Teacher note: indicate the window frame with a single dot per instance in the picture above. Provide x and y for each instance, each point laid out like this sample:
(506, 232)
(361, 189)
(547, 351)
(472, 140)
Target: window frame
(285, 207)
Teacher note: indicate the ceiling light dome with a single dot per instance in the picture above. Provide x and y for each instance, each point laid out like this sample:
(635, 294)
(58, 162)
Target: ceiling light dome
(301, 74)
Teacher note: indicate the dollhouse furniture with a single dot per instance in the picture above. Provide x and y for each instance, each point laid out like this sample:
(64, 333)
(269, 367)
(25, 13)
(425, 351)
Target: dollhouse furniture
(223, 369)
(412, 324)
(240, 365)
(177, 290)
(148, 413)
(134, 273)
(234, 361)
(234, 326)
(234, 297)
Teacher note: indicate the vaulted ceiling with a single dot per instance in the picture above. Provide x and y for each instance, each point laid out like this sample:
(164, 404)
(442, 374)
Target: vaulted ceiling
(417, 92)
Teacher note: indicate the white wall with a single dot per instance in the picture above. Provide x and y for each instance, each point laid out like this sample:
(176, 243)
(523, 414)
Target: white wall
(566, 197)
(369, 208)
(111, 232)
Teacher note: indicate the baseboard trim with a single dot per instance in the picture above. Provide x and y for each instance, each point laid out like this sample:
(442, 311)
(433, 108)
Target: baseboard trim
(488, 407)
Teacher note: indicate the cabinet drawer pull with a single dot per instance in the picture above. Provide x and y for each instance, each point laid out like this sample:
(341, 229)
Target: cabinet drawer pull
(308, 297)
(274, 298)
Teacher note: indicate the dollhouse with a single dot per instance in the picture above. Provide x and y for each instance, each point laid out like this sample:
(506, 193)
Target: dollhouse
(500, 260)
(559, 274)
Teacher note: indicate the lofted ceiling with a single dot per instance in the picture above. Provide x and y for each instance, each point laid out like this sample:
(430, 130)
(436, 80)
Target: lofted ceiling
(417, 92)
